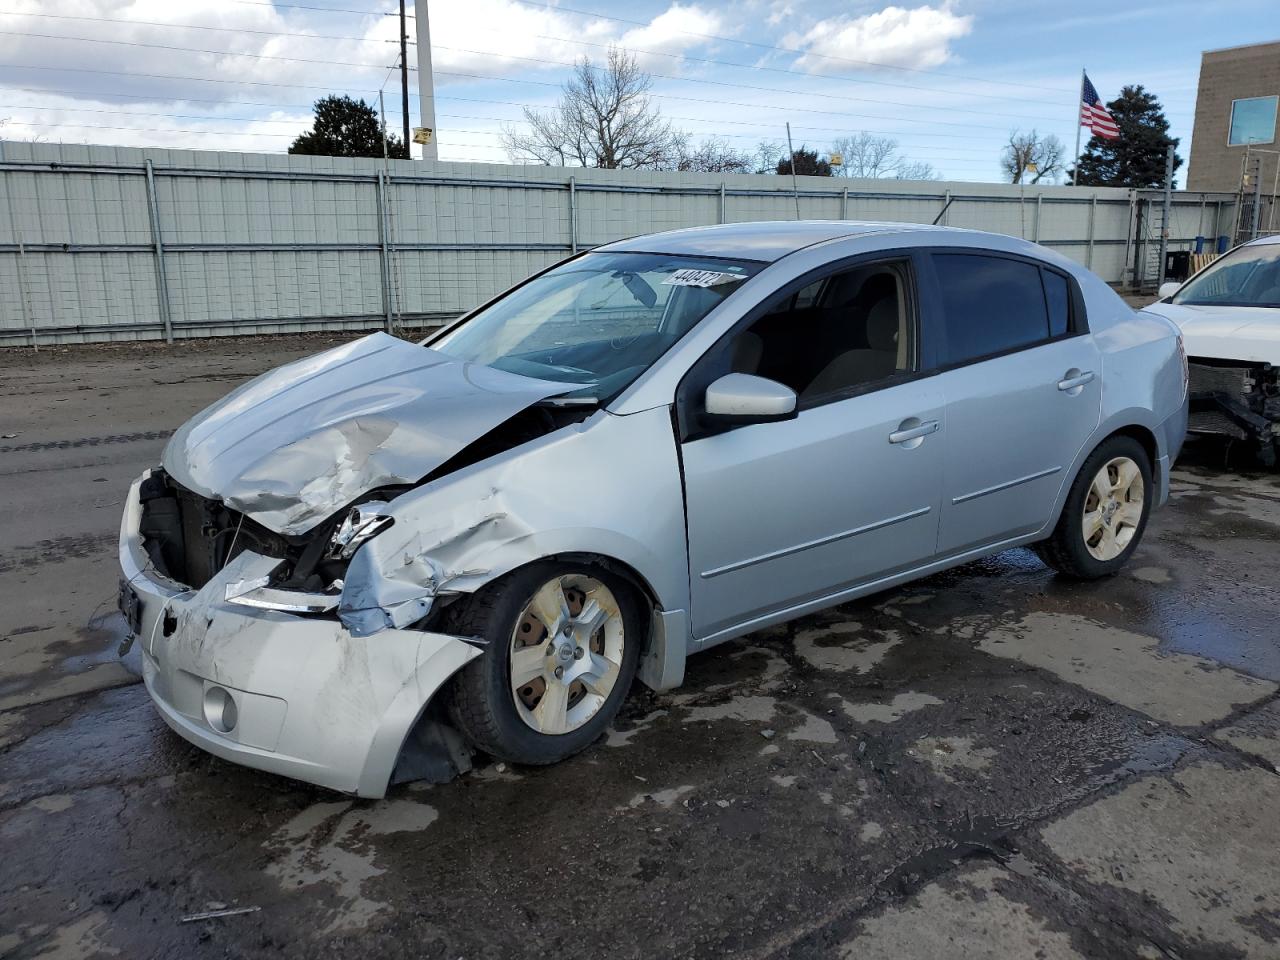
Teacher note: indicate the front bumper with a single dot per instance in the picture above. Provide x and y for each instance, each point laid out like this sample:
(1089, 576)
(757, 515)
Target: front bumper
(290, 694)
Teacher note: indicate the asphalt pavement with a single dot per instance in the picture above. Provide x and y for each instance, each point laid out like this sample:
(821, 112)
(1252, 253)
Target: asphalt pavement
(992, 762)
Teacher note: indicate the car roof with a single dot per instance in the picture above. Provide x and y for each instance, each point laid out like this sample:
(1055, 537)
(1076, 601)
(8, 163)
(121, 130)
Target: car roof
(766, 240)
(1272, 238)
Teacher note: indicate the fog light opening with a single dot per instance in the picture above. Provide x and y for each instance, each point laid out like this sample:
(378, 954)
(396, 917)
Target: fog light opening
(220, 710)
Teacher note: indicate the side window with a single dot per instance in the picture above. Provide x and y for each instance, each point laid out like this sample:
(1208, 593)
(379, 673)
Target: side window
(1058, 296)
(838, 333)
(990, 305)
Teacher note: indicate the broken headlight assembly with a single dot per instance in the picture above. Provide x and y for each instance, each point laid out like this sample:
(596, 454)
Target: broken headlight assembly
(361, 523)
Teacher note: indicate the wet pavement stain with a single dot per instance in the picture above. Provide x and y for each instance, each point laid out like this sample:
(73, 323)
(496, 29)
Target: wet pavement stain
(849, 783)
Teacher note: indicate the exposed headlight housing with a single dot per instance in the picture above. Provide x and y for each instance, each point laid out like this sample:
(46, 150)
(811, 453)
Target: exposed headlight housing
(362, 522)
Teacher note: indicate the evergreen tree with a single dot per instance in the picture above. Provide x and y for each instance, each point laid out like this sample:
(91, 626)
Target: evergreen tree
(1136, 158)
(808, 164)
(346, 128)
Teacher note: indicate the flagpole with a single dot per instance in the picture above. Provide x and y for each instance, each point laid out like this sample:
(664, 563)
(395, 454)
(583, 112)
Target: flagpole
(1075, 170)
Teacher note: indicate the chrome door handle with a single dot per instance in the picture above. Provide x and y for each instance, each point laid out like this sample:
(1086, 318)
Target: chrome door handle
(925, 428)
(1070, 382)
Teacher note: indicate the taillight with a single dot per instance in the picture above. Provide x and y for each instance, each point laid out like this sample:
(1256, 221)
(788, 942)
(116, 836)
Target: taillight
(1186, 367)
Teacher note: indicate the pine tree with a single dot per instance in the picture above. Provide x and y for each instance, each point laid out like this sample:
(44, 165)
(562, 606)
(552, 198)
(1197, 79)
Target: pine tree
(346, 128)
(1136, 158)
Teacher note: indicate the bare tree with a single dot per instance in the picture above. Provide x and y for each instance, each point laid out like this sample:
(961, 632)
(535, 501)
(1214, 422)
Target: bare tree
(714, 155)
(605, 118)
(1047, 154)
(870, 156)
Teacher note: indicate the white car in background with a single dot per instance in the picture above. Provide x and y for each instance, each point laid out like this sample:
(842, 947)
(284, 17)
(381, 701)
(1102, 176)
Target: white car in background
(1229, 314)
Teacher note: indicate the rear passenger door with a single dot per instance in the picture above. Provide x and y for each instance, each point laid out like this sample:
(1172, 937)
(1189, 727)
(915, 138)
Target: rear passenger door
(1021, 380)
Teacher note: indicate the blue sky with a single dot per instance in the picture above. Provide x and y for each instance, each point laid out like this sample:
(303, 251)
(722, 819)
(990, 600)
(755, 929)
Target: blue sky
(947, 80)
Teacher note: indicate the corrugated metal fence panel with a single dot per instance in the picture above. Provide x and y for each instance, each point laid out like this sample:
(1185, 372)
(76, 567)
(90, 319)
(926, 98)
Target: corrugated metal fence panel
(257, 242)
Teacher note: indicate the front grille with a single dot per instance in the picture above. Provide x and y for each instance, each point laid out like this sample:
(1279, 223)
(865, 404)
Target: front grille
(1211, 378)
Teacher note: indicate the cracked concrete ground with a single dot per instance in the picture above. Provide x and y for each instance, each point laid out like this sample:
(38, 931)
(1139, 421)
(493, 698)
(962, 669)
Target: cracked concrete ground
(992, 762)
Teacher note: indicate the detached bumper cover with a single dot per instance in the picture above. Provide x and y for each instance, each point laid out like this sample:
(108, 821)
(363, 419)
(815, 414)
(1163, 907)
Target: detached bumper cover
(291, 694)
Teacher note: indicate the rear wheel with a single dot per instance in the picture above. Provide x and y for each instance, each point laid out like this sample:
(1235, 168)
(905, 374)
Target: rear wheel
(563, 641)
(1105, 513)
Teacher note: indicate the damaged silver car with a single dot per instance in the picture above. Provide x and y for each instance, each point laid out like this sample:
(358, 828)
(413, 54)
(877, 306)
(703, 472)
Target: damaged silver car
(358, 568)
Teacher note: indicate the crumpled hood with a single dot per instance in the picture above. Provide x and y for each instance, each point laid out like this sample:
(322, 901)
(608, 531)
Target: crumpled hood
(1249, 334)
(294, 445)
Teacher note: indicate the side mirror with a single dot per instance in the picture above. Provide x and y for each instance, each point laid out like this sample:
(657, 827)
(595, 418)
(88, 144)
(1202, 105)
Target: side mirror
(749, 399)
(1168, 289)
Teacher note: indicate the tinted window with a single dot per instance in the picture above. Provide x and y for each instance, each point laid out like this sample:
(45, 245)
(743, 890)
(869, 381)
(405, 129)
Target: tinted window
(1058, 297)
(990, 305)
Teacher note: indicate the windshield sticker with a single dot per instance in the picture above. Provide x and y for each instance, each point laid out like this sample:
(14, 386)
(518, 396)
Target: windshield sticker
(701, 278)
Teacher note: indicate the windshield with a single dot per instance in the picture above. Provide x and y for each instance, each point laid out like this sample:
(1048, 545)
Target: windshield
(1246, 277)
(599, 320)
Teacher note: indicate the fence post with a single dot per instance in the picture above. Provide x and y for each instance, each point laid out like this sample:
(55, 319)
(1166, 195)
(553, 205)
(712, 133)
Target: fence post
(573, 215)
(844, 204)
(1166, 214)
(722, 207)
(24, 292)
(1088, 254)
(384, 254)
(1129, 232)
(946, 207)
(1035, 231)
(162, 275)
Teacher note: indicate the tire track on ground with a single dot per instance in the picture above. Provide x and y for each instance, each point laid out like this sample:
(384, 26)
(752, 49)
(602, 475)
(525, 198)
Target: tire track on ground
(86, 442)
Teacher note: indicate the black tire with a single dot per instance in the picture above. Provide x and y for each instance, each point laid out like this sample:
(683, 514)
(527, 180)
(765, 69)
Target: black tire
(1066, 550)
(481, 703)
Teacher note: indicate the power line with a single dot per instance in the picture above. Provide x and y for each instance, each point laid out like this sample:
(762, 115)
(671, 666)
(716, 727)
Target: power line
(187, 49)
(189, 26)
(167, 76)
(749, 86)
(752, 106)
(795, 50)
(298, 6)
(798, 73)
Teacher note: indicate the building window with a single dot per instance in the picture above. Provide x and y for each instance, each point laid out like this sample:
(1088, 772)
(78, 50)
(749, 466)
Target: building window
(1253, 121)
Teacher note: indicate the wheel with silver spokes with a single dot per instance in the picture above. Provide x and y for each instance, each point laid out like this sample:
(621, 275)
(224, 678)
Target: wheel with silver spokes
(562, 641)
(1113, 508)
(1105, 512)
(566, 653)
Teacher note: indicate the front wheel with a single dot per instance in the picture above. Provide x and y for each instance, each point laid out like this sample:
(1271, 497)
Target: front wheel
(1105, 513)
(562, 644)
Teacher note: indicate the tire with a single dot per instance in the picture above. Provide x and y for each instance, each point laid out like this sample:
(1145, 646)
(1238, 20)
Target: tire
(517, 723)
(1115, 516)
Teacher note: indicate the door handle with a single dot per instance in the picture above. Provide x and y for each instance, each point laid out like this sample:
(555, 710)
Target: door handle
(1074, 379)
(906, 434)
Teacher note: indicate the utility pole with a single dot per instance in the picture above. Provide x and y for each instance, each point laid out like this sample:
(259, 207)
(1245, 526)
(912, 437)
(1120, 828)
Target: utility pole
(426, 84)
(404, 74)
(795, 190)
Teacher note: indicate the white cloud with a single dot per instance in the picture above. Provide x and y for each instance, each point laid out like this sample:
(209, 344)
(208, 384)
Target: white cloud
(675, 30)
(895, 36)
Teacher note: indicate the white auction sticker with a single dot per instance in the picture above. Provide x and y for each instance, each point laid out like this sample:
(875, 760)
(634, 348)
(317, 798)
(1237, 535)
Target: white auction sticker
(701, 278)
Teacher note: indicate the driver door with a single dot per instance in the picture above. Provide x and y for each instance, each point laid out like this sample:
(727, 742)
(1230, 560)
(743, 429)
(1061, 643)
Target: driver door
(788, 514)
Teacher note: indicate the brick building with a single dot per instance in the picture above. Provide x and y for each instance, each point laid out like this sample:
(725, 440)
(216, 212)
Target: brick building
(1236, 114)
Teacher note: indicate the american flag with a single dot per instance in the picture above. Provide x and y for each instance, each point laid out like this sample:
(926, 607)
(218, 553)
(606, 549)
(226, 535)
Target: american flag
(1094, 115)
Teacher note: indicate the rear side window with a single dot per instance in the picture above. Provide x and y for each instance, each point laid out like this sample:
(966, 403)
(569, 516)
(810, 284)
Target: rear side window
(991, 305)
(1058, 295)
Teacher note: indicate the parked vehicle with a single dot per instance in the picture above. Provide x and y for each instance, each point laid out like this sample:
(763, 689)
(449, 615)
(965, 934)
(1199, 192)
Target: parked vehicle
(1229, 314)
(356, 567)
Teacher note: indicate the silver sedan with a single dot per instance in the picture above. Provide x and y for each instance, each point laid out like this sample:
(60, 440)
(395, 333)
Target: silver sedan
(364, 566)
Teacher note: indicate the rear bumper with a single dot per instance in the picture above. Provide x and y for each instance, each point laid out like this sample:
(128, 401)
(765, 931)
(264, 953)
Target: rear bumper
(307, 699)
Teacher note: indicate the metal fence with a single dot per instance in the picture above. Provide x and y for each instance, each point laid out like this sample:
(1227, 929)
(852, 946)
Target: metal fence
(105, 243)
